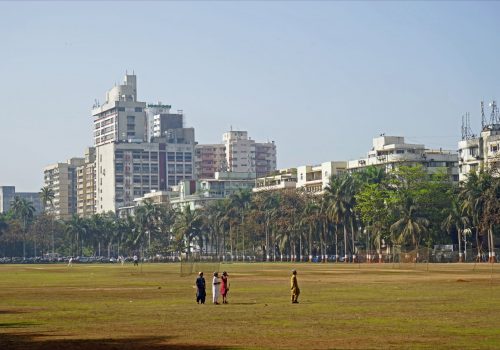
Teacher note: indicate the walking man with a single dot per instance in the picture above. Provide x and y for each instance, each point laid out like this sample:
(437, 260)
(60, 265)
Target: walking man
(295, 288)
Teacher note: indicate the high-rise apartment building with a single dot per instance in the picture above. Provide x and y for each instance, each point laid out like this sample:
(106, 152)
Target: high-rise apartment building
(125, 171)
(238, 153)
(154, 109)
(86, 184)
(62, 179)
(121, 118)
(176, 145)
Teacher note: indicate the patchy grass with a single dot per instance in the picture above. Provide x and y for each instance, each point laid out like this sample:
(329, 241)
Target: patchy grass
(341, 306)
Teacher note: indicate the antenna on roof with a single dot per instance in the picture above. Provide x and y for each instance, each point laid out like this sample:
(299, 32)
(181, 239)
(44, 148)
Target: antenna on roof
(483, 117)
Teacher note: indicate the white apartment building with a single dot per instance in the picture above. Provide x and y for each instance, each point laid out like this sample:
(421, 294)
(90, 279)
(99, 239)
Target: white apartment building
(125, 171)
(315, 178)
(121, 118)
(283, 179)
(390, 152)
(197, 193)
(153, 109)
(86, 184)
(62, 179)
(481, 152)
(238, 153)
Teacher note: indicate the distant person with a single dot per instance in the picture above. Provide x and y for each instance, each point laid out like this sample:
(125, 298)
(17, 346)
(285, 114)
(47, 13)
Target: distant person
(215, 288)
(136, 260)
(70, 262)
(122, 259)
(200, 289)
(295, 288)
(224, 287)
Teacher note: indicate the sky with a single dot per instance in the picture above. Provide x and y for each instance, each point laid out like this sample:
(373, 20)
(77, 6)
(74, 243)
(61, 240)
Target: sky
(321, 79)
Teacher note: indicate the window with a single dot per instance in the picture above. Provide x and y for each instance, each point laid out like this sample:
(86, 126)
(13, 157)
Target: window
(170, 156)
(121, 109)
(130, 133)
(400, 151)
(179, 157)
(188, 157)
(130, 127)
(130, 119)
(138, 109)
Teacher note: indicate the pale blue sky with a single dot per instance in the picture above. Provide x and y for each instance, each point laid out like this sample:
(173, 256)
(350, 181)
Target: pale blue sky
(321, 79)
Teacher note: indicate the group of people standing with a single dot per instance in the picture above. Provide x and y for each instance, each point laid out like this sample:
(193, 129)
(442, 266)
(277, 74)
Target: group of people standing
(216, 291)
(224, 288)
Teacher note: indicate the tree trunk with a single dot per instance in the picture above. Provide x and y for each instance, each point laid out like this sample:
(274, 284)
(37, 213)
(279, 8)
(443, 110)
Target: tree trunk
(346, 258)
(460, 254)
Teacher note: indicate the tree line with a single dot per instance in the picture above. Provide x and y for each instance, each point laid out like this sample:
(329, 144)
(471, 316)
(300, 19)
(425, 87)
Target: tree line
(370, 212)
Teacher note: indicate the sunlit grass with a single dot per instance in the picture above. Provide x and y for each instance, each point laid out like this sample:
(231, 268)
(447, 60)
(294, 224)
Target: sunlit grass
(341, 306)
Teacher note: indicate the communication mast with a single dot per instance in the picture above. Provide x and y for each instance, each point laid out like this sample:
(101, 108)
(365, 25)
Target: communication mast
(494, 118)
(467, 133)
(483, 117)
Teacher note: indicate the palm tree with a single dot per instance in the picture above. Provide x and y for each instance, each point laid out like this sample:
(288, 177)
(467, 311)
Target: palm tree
(77, 227)
(340, 202)
(410, 224)
(148, 216)
(24, 211)
(472, 198)
(455, 220)
(187, 227)
(47, 196)
(240, 201)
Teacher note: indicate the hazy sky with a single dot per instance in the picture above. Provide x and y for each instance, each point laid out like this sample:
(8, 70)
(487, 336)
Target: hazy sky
(321, 79)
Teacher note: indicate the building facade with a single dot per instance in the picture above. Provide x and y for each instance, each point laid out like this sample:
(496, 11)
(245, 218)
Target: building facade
(197, 193)
(62, 179)
(85, 185)
(283, 179)
(482, 152)
(238, 153)
(391, 152)
(125, 171)
(315, 178)
(8, 194)
(121, 118)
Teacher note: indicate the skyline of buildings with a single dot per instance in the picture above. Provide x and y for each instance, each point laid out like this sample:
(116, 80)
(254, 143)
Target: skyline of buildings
(140, 148)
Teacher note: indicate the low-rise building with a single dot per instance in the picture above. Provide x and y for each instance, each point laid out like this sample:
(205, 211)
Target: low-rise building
(283, 179)
(196, 193)
(481, 152)
(390, 152)
(315, 178)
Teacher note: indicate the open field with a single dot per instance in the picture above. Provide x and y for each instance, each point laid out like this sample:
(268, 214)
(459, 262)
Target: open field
(341, 306)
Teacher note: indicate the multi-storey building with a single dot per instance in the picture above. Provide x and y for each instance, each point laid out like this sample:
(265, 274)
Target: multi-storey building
(196, 193)
(315, 178)
(154, 109)
(238, 153)
(125, 171)
(283, 179)
(86, 184)
(121, 118)
(390, 152)
(482, 152)
(209, 159)
(177, 148)
(62, 179)
(8, 194)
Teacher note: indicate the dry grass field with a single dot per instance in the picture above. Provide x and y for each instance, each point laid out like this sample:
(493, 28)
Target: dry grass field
(367, 306)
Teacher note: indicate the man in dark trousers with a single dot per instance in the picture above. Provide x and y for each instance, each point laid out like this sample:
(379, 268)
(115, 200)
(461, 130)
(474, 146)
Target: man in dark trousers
(200, 289)
(294, 287)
